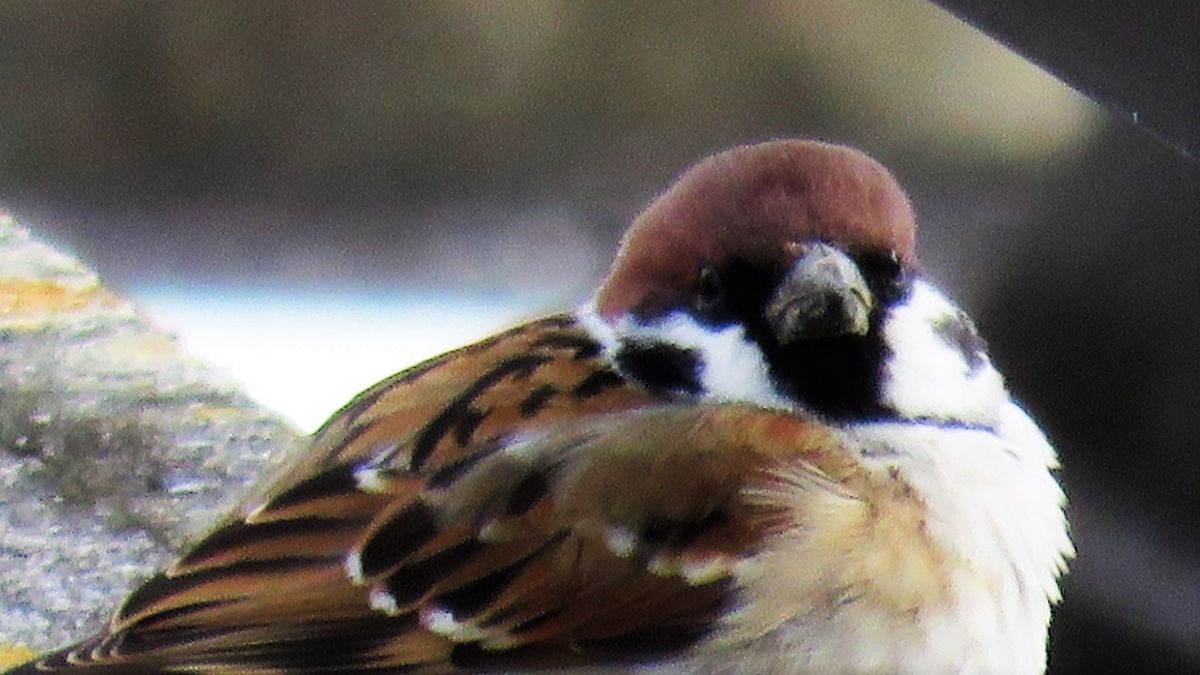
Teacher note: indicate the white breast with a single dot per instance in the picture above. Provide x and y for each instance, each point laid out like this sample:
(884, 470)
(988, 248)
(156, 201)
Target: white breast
(984, 470)
(992, 502)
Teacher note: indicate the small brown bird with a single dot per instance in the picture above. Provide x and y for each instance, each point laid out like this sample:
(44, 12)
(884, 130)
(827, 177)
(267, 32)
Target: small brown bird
(766, 445)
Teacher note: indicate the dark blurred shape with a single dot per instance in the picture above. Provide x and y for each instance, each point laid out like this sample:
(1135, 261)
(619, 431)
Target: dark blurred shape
(1138, 58)
(1097, 334)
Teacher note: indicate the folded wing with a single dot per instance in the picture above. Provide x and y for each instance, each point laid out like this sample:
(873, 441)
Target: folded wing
(611, 537)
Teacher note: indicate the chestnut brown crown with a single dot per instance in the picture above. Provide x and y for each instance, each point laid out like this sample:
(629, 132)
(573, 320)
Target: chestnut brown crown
(762, 205)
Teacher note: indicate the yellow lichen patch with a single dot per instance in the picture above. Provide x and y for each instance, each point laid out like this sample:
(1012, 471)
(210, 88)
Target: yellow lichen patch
(144, 347)
(28, 298)
(13, 655)
(217, 414)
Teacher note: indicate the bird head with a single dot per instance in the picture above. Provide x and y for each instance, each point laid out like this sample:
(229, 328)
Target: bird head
(786, 273)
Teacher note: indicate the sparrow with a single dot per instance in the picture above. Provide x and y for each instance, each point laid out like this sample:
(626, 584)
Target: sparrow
(768, 443)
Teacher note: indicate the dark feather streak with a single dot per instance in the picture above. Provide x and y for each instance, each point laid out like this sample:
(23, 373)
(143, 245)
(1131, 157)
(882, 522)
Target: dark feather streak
(238, 534)
(452, 471)
(411, 582)
(397, 538)
(597, 382)
(537, 400)
(467, 424)
(163, 587)
(457, 409)
(584, 347)
(472, 598)
(332, 483)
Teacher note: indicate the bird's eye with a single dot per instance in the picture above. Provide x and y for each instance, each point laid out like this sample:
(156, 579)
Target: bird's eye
(884, 273)
(709, 292)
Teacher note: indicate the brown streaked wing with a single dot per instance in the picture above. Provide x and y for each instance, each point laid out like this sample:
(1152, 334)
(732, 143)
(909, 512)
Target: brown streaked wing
(609, 537)
(427, 416)
(602, 538)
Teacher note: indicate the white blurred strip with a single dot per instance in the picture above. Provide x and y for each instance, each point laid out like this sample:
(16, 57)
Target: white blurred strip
(305, 355)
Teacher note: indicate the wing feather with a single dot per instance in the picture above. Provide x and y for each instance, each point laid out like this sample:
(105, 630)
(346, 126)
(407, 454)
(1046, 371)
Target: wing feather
(587, 523)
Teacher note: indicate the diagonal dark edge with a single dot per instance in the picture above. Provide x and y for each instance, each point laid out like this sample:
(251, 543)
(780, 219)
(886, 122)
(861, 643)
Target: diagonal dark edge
(1139, 60)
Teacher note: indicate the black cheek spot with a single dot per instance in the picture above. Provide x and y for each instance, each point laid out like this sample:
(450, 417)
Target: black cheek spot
(661, 367)
(959, 333)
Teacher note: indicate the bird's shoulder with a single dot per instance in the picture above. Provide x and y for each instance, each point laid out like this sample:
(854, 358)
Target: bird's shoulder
(428, 415)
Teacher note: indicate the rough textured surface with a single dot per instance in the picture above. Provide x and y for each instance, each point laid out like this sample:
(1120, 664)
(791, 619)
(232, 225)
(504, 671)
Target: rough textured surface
(115, 447)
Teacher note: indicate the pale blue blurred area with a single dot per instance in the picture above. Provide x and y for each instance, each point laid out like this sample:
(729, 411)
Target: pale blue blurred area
(305, 354)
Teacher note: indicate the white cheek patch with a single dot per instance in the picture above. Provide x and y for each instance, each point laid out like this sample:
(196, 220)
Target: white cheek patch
(732, 366)
(925, 375)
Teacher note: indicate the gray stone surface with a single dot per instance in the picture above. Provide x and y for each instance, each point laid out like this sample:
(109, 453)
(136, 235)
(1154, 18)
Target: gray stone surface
(116, 448)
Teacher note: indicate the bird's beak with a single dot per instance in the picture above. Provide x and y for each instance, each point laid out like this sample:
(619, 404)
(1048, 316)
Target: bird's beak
(823, 296)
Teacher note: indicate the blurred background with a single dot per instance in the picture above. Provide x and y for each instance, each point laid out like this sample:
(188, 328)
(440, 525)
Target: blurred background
(314, 195)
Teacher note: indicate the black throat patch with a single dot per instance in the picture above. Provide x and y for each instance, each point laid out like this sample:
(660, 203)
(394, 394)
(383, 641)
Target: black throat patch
(839, 377)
